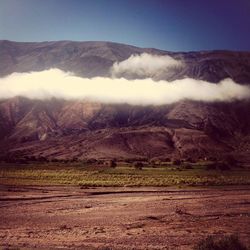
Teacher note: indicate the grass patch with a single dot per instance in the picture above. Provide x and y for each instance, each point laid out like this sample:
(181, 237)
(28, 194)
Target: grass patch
(122, 175)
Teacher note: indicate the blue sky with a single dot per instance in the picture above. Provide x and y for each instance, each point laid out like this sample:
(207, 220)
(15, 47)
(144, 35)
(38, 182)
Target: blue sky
(177, 25)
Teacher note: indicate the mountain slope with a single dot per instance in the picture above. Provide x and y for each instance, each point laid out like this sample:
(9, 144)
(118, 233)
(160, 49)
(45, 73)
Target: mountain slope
(60, 129)
(91, 59)
(69, 129)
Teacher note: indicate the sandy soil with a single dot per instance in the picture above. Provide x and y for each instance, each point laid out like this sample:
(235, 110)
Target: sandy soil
(60, 217)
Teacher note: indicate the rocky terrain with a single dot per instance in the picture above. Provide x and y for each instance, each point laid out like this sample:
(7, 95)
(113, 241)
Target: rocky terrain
(60, 129)
(49, 217)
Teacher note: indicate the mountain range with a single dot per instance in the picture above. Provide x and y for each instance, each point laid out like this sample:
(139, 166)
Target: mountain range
(79, 129)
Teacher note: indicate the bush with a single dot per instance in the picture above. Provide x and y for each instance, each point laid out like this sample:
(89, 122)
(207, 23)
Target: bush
(112, 164)
(230, 242)
(188, 166)
(211, 166)
(167, 160)
(138, 165)
(177, 162)
(91, 161)
(54, 160)
(231, 161)
(191, 160)
(21, 161)
(223, 166)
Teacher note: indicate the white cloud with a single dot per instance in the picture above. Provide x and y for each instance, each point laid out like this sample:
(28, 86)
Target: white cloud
(56, 83)
(144, 65)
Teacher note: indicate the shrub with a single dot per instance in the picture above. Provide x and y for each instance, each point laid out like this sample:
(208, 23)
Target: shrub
(31, 158)
(21, 161)
(74, 159)
(112, 163)
(230, 242)
(231, 161)
(177, 162)
(223, 166)
(188, 166)
(138, 165)
(191, 160)
(54, 160)
(211, 166)
(212, 158)
(167, 160)
(101, 162)
(91, 161)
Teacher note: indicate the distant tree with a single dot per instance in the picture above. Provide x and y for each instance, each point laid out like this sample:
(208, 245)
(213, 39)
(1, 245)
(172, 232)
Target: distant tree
(177, 162)
(42, 159)
(91, 161)
(231, 161)
(188, 166)
(74, 159)
(167, 159)
(54, 160)
(138, 165)
(112, 164)
(211, 166)
(211, 158)
(21, 161)
(191, 160)
(223, 166)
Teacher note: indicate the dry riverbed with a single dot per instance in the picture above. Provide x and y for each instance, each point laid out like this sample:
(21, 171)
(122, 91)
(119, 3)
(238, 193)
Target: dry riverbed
(66, 217)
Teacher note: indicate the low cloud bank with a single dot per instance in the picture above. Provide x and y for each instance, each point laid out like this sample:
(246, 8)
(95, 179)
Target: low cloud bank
(144, 65)
(59, 84)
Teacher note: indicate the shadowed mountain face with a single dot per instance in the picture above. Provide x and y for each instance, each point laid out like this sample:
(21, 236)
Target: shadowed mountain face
(79, 129)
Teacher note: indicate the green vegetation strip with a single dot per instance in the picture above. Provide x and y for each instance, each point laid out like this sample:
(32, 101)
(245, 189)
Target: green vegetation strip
(41, 174)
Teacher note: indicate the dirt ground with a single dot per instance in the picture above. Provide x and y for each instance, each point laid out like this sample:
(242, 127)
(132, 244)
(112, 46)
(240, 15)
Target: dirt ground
(63, 217)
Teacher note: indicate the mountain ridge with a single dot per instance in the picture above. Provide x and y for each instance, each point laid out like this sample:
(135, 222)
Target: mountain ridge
(119, 43)
(90, 59)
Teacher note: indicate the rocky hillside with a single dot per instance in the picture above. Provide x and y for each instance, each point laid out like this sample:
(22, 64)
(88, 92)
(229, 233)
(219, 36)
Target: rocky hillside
(74, 129)
(91, 59)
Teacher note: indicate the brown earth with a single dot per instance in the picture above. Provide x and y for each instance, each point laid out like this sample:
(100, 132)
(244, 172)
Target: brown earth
(79, 130)
(122, 218)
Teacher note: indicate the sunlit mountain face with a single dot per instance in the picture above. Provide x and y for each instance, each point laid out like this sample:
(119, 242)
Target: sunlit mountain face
(81, 100)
